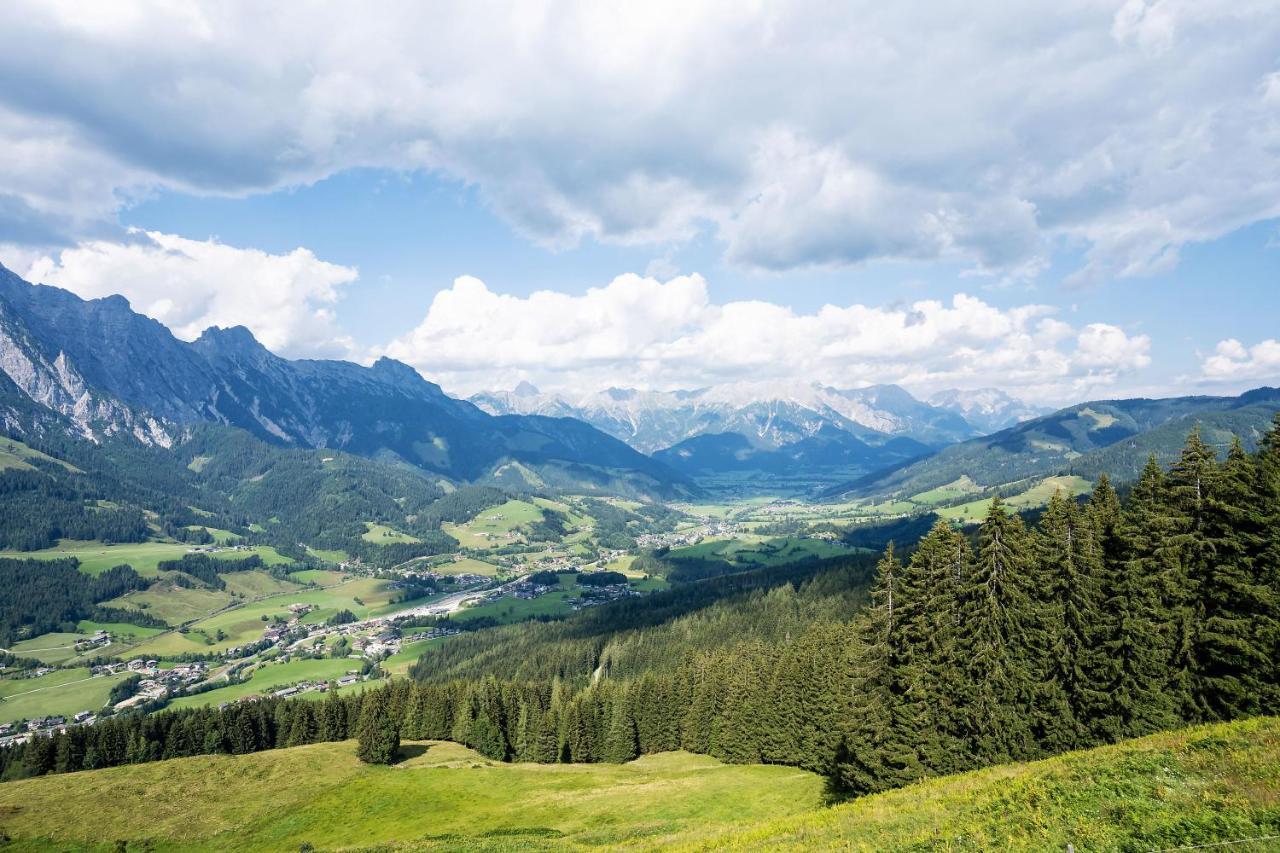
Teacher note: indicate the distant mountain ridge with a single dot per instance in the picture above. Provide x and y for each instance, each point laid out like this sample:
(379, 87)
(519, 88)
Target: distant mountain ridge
(113, 372)
(770, 415)
(987, 409)
(1103, 436)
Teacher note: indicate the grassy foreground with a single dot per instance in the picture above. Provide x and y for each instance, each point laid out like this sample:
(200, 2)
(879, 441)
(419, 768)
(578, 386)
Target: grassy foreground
(1197, 786)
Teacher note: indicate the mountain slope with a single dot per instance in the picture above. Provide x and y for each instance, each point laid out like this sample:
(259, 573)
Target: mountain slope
(111, 371)
(1111, 436)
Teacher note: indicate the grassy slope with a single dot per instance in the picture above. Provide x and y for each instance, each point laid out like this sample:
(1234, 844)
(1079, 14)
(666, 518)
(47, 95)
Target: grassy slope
(63, 691)
(95, 557)
(444, 797)
(1196, 786)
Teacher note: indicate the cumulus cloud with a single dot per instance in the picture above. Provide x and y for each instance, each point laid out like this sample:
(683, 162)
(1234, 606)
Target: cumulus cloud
(799, 134)
(1233, 362)
(640, 332)
(286, 300)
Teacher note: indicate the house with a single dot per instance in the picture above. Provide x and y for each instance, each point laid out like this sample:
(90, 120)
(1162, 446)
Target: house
(82, 716)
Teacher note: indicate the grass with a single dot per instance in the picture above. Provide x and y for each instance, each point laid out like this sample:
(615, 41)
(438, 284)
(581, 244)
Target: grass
(145, 557)
(63, 691)
(329, 556)
(443, 796)
(465, 566)
(59, 647)
(496, 526)
(951, 491)
(320, 577)
(256, 584)
(507, 610)
(270, 677)
(15, 454)
(1037, 495)
(1197, 786)
(1200, 786)
(174, 605)
(242, 625)
(399, 663)
(381, 534)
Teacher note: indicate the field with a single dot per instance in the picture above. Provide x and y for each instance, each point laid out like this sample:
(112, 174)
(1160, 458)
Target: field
(256, 584)
(1202, 786)
(443, 796)
(96, 557)
(399, 663)
(1037, 495)
(383, 535)
(63, 691)
(496, 526)
(59, 648)
(465, 566)
(174, 605)
(272, 676)
(508, 609)
(242, 625)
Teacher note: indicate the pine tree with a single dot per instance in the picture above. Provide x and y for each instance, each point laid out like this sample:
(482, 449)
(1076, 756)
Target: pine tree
(1067, 588)
(996, 607)
(378, 738)
(621, 742)
(1139, 640)
(1236, 606)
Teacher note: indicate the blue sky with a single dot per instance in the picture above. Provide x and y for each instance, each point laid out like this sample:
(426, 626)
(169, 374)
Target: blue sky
(1084, 204)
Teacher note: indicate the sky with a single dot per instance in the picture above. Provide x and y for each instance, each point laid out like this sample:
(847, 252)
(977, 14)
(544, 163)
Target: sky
(1079, 203)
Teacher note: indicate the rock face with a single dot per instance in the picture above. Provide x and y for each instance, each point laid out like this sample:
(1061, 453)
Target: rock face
(770, 415)
(110, 371)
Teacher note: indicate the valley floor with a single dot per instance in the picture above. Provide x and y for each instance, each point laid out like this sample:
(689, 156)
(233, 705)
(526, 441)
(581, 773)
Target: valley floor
(1197, 786)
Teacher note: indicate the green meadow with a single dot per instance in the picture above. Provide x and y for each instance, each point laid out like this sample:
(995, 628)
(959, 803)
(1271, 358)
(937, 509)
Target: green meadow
(442, 795)
(63, 691)
(272, 676)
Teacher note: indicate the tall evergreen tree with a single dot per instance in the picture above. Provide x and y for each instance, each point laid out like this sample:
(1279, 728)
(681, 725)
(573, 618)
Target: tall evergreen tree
(376, 730)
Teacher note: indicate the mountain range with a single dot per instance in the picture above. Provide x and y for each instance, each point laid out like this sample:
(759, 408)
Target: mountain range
(112, 373)
(770, 415)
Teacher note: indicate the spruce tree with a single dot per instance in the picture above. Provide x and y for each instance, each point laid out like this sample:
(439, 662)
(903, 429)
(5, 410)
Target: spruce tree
(376, 730)
(999, 672)
(1235, 604)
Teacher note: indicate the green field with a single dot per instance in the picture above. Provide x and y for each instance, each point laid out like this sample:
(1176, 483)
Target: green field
(96, 557)
(15, 454)
(443, 796)
(496, 526)
(951, 491)
(380, 534)
(465, 566)
(320, 577)
(63, 691)
(174, 604)
(508, 609)
(244, 624)
(329, 556)
(59, 648)
(399, 663)
(270, 677)
(1037, 495)
(256, 584)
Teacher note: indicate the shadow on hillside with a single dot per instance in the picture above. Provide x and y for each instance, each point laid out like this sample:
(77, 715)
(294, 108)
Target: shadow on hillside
(410, 751)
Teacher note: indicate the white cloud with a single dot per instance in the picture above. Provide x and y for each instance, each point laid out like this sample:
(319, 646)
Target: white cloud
(286, 300)
(1233, 362)
(640, 332)
(799, 134)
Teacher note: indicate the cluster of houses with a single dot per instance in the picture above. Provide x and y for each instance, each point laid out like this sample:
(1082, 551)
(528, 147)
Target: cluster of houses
(12, 734)
(597, 595)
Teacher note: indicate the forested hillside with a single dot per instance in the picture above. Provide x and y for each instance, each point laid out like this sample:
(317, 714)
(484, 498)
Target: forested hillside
(1103, 621)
